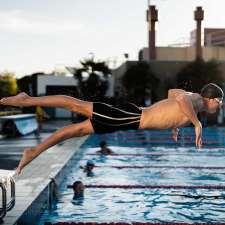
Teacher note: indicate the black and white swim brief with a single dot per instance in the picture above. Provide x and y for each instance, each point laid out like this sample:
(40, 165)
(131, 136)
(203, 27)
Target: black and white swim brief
(107, 118)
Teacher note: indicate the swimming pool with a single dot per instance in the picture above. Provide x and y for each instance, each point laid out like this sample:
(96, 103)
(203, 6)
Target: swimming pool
(148, 179)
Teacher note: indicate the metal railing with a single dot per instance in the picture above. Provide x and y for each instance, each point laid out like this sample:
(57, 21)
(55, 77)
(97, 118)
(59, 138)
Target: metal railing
(51, 192)
(3, 210)
(7, 205)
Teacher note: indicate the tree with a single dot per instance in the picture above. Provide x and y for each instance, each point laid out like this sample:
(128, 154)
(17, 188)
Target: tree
(139, 81)
(25, 84)
(8, 84)
(92, 79)
(198, 73)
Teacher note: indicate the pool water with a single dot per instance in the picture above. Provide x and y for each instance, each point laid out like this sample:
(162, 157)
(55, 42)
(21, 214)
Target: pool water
(147, 158)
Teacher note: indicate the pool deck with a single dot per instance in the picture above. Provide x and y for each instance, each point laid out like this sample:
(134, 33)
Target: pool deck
(36, 176)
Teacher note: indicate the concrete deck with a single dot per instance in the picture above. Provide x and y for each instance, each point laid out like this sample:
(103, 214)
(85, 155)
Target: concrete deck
(34, 180)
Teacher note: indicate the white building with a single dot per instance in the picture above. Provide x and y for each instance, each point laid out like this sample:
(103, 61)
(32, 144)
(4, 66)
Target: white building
(52, 85)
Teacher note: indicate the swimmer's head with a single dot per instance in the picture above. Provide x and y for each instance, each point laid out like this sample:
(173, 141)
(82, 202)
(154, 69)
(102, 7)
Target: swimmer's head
(78, 189)
(89, 167)
(102, 144)
(90, 163)
(214, 94)
(212, 90)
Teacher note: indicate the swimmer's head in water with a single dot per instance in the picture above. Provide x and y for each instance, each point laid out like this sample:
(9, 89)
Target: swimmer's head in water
(78, 188)
(102, 144)
(90, 163)
(212, 90)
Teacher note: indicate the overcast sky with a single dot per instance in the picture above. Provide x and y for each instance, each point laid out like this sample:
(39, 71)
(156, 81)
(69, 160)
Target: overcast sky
(40, 35)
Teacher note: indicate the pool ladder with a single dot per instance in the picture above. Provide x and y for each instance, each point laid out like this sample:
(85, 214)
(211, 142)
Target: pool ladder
(51, 192)
(7, 206)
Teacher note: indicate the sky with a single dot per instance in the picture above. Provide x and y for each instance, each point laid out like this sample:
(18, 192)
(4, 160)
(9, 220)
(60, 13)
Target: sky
(43, 35)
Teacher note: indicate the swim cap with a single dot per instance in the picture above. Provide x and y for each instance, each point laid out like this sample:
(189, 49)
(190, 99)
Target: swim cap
(102, 144)
(90, 163)
(212, 90)
(76, 183)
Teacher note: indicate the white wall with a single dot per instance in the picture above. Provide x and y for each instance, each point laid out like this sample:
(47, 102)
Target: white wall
(45, 80)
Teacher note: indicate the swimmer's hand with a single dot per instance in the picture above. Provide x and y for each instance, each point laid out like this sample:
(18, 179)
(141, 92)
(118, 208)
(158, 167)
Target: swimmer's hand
(175, 132)
(198, 135)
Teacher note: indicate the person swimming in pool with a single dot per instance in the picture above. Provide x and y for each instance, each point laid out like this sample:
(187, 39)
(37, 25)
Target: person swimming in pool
(104, 149)
(88, 169)
(78, 190)
(178, 110)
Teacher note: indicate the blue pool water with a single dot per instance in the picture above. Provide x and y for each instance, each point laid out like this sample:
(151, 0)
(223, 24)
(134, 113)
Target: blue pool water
(154, 159)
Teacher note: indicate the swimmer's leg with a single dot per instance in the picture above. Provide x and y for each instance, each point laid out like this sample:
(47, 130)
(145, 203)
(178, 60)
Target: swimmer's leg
(73, 130)
(62, 101)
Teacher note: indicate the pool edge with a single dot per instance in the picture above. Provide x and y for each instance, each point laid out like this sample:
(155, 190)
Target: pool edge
(32, 185)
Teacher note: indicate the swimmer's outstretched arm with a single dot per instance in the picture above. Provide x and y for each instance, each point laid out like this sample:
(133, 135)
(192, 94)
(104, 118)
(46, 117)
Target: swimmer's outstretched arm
(73, 130)
(187, 108)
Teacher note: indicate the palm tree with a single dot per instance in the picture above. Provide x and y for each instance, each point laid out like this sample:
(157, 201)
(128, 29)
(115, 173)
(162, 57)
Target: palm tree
(92, 79)
(139, 81)
(8, 84)
(198, 73)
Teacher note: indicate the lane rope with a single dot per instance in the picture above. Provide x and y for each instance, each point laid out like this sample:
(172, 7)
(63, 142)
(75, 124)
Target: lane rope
(218, 187)
(166, 167)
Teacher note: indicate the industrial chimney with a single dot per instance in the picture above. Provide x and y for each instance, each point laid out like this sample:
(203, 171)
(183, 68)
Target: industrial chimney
(199, 16)
(152, 17)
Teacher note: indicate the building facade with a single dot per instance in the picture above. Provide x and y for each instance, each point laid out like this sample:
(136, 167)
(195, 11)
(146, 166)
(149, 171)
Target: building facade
(56, 85)
(211, 37)
(183, 53)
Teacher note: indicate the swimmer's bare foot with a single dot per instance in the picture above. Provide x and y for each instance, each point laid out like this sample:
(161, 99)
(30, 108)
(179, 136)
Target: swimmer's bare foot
(28, 156)
(16, 100)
